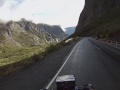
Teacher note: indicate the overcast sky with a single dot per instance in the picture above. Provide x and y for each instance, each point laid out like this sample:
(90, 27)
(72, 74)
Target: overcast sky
(54, 12)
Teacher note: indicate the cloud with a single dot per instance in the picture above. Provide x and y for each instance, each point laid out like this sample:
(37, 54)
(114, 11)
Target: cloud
(15, 4)
(60, 12)
(2, 2)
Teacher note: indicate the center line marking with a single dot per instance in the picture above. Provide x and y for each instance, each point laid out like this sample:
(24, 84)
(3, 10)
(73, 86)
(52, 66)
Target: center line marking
(97, 47)
(48, 86)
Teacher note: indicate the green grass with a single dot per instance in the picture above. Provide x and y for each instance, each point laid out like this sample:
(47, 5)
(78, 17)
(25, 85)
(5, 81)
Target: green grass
(10, 55)
(15, 59)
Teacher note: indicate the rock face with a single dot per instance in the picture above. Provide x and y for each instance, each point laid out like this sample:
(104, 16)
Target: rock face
(94, 9)
(55, 31)
(25, 32)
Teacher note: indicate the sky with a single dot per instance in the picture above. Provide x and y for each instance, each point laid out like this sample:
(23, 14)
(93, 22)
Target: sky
(53, 12)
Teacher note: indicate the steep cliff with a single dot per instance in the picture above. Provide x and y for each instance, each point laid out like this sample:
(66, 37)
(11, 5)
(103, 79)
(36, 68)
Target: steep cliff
(93, 10)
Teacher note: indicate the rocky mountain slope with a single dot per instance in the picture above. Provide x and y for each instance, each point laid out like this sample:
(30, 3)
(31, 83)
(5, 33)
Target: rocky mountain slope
(27, 33)
(97, 11)
(55, 31)
(70, 30)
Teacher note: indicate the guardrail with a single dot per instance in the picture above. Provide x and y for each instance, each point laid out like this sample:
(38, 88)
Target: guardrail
(110, 42)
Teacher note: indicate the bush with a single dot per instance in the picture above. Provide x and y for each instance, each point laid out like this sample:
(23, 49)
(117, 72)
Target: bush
(53, 48)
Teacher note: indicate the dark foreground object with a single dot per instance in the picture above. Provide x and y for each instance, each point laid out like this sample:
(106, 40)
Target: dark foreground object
(68, 82)
(65, 82)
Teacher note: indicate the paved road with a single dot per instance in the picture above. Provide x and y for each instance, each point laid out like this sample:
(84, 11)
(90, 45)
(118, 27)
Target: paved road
(95, 63)
(90, 62)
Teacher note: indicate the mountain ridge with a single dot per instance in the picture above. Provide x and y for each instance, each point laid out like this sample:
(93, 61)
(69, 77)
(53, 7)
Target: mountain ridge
(25, 32)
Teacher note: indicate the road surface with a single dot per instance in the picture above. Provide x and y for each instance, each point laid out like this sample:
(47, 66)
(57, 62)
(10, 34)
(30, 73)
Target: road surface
(90, 62)
(95, 63)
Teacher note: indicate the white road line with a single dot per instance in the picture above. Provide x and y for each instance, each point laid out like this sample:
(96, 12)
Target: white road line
(97, 47)
(48, 86)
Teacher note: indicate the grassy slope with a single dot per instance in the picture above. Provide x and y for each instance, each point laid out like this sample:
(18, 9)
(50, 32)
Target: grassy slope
(107, 26)
(14, 59)
(10, 55)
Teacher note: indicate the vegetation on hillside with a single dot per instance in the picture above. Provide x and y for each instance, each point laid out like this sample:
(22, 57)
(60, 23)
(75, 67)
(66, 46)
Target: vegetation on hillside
(14, 59)
(22, 43)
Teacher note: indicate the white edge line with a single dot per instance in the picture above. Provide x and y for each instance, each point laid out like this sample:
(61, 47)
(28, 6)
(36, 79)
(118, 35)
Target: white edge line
(97, 47)
(48, 86)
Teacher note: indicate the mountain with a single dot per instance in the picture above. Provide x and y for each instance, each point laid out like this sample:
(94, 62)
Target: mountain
(99, 17)
(70, 30)
(27, 33)
(55, 31)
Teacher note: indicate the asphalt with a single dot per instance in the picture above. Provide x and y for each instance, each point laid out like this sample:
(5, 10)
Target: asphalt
(90, 62)
(96, 63)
